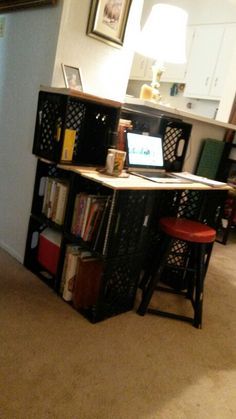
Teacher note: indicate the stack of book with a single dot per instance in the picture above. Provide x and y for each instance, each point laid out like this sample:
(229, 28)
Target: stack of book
(87, 215)
(81, 277)
(55, 199)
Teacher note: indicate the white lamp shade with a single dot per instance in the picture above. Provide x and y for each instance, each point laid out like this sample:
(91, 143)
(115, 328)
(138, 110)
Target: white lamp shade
(163, 36)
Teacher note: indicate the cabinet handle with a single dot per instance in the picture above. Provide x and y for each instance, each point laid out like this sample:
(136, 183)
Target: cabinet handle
(216, 81)
(206, 81)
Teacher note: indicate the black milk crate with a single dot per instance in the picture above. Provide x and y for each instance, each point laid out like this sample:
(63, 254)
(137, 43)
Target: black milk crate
(127, 231)
(175, 133)
(93, 120)
(118, 288)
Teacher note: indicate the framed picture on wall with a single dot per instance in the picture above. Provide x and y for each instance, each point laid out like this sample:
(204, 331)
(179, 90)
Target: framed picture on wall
(108, 19)
(72, 77)
(11, 5)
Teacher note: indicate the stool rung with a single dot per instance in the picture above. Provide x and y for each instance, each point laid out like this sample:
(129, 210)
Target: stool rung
(171, 291)
(170, 315)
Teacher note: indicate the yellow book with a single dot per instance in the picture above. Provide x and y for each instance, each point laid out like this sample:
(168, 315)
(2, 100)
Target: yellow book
(68, 144)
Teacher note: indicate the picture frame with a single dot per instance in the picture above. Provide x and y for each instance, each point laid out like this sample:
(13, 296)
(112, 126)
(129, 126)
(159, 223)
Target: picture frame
(72, 77)
(12, 5)
(108, 19)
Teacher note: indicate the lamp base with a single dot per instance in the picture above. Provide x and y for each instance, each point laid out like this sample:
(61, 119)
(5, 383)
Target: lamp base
(152, 92)
(147, 92)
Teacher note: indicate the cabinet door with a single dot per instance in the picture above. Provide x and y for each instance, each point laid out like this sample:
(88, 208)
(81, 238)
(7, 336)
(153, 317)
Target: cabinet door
(224, 59)
(202, 60)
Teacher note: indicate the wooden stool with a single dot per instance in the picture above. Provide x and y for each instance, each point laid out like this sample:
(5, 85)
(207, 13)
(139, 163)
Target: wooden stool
(200, 239)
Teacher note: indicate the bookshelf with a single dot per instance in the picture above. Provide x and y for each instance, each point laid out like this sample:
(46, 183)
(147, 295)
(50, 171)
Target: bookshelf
(116, 249)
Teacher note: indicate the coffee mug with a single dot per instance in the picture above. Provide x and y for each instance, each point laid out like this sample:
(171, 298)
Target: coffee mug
(115, 161)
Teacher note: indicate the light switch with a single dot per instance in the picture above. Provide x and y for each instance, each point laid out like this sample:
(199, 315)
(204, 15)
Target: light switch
(2, 26)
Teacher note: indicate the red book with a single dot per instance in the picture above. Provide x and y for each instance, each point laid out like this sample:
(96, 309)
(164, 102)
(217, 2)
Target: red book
(49, 249)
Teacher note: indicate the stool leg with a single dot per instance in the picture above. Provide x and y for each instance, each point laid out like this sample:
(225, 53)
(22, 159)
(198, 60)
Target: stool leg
(200, 274)
(155, 277)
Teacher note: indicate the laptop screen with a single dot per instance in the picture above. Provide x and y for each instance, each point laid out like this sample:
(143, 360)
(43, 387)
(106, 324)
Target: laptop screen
(144, 151)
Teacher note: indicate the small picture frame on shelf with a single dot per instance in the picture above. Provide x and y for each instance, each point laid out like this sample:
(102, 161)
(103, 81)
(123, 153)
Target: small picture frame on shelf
(72, 77)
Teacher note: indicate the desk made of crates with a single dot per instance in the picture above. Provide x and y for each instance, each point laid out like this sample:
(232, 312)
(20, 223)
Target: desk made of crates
(131, 230)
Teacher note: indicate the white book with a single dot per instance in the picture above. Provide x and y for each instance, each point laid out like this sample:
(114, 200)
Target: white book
(61, 203)
(51, 198)
(70, 273)
(200, 179)
(71, 269)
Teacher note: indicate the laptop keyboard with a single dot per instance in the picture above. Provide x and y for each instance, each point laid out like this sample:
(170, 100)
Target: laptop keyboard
(154, 174)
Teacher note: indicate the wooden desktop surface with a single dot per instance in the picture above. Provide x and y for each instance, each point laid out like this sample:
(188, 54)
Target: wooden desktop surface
(135, 182)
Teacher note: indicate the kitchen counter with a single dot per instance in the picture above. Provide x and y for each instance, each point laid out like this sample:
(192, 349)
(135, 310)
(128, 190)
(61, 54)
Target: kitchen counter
(153, 107)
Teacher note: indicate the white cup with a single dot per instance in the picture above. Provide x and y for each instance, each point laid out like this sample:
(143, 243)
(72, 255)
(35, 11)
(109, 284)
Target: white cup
(115, 161)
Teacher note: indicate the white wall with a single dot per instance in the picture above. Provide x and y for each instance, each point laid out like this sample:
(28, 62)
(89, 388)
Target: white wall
(35, 43)
(27, 55)
(200, 11)
(105, 69)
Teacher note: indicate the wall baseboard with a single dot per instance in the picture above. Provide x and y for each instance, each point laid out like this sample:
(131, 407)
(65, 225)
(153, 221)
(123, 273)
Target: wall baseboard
(12, 252)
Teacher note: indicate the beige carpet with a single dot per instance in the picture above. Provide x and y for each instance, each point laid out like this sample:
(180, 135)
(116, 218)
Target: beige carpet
(55, 364)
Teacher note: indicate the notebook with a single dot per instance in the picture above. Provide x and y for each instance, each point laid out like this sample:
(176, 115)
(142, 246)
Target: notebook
(145, 157)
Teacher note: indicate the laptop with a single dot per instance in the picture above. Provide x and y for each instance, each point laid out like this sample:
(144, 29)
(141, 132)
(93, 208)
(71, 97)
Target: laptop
(145, 157)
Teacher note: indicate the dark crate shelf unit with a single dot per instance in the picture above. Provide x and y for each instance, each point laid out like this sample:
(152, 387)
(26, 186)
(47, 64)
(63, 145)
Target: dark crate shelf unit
(121, 245)
(93, 119)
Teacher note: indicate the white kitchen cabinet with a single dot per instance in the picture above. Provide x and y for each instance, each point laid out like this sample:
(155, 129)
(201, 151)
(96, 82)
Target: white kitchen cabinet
(209, 60)
(223, 61)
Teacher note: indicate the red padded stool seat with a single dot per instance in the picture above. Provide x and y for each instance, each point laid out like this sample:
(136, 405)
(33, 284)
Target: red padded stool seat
(199, 238)
(187, 230)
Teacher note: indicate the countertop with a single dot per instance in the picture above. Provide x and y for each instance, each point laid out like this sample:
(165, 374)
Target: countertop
(153, 107)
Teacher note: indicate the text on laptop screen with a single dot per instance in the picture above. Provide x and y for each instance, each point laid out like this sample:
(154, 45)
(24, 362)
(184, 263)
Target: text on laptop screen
(144, 150)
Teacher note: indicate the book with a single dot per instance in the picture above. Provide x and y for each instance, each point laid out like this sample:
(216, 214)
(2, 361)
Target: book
(49, 249)
(78, 213)
(70, 269)
(87, 282)
(51, 198)
(94, 217)
(68, 145)
(70, 248)
(86, 214)
(59, 213)
(199, 179)
(98, 238)
(46, 195)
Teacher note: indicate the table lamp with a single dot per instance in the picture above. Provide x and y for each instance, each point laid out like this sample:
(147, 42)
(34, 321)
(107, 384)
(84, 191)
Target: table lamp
(162, 38)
